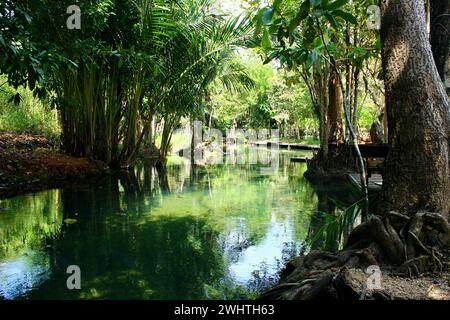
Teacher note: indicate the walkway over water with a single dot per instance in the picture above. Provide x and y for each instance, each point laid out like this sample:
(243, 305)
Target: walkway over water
(287, 146)
(375, 181)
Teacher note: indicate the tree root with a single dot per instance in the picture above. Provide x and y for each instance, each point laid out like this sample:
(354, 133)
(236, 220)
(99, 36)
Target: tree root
(381, 232)
(409, 244)
(415, 265)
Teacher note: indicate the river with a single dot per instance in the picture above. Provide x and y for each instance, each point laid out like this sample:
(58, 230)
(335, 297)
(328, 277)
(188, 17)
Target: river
(218, 232)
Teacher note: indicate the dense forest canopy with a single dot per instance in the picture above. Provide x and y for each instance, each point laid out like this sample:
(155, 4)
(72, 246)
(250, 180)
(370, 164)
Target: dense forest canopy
(129, 63)
(132, 65)
(123, 82)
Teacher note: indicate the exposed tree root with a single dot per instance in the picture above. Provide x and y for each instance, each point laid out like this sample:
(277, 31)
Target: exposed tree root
(404, 245)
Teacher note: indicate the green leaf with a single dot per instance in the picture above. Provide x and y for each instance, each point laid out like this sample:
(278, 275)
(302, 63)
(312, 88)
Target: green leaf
(27, 17)
(346, 16)
(301, 15)
(266, 43)
(315, 3)
(319, 13)
(276, 5)
(317, 43)
(303, 58)
(258, 28)
(313, 57)
(272, 55)
(280, 35)
(336, 5)
(378, 44)
(267, 16)
(273, 29)
(292, 26)
(258, 23)
(332, 20)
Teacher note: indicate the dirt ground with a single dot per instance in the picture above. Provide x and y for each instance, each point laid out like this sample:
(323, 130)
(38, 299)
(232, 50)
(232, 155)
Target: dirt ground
(342, 283)
(426, 287)
(31, 163)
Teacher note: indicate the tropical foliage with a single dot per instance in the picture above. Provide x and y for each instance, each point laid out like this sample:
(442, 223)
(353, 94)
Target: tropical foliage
(132, 62)
(306, 38)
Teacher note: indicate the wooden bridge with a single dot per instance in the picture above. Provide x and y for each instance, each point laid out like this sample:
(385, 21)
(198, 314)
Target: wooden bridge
(368, 150)
(300, 159)
(374, 156)
(374, 182)
(287, 146)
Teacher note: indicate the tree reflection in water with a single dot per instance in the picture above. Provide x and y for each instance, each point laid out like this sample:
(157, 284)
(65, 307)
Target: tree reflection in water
(218, 232)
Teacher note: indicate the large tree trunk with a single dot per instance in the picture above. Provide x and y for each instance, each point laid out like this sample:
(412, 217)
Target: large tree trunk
(440, 38)
(416, 176)
(417, 168)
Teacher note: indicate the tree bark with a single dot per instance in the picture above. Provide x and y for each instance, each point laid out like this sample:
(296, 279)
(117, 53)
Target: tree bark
(336, 133)
(417, 167)
(354, 104)
(440, 38)
(321, 78)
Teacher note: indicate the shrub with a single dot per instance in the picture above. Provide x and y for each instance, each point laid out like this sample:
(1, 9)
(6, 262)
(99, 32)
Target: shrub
(30, 116)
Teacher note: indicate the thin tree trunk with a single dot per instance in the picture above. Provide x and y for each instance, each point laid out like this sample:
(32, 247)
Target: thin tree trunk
(355, 100)
(192, 141)
(336, 133)
(321, 83)
(360, 159)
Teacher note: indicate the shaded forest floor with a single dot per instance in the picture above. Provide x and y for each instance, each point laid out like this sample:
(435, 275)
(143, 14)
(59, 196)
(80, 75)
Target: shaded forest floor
(30, 163)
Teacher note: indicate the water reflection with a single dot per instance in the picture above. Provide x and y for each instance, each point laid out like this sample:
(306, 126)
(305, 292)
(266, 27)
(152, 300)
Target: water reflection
(22, 273)
(338, 212)
(27, 223)
(218, 232)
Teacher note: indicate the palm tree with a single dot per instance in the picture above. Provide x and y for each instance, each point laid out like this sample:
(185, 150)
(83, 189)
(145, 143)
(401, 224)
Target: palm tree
(132, 60)
(201, 53)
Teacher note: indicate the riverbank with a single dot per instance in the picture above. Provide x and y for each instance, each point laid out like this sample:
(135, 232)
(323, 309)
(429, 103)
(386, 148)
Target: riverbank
(364, 261)
(334, 282)
(30, 163)
(363, 269)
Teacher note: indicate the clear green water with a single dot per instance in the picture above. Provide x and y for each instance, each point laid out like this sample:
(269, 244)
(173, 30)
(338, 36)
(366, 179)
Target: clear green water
(222, 232)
